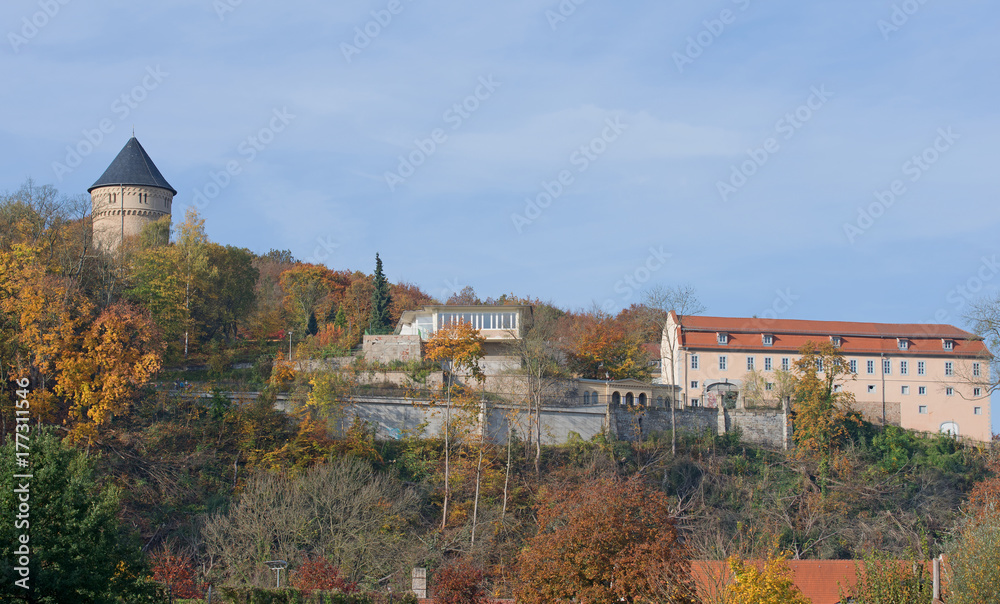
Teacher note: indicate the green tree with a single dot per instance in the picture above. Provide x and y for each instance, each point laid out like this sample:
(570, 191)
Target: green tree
(882, 580)
(78, 549)
(380, 320)
(312, 327)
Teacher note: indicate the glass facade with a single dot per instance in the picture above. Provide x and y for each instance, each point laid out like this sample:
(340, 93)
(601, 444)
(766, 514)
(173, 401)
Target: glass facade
(479, 320)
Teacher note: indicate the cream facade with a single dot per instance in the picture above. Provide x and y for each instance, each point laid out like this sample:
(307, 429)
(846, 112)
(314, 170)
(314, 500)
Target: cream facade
(931, 378)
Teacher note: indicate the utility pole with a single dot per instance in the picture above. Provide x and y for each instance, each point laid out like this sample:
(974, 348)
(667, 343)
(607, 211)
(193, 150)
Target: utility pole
(289, 344)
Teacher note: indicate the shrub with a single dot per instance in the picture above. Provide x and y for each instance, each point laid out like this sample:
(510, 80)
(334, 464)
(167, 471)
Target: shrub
(459, 582)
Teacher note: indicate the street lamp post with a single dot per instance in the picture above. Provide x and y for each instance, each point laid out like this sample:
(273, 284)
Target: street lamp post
(289, 344)
(277, 566)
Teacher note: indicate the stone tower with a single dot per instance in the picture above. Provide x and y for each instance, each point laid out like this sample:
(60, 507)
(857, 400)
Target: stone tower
(129, 195)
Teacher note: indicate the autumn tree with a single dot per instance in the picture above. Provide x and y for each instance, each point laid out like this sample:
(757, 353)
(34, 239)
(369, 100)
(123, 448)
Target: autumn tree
(117, 355)
(601, 348)
(459, 348)
(459, 582)
(466, 297)
(604, 541)
(320, 574)
(882, 580)
(380, 320)
(194, 263)
(770, 584)
(821, 409)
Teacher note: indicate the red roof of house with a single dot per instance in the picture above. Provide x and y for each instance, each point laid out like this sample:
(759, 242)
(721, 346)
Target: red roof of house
(818, 580)
(789, 335)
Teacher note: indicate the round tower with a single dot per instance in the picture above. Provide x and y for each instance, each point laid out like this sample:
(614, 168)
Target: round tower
(129, 195)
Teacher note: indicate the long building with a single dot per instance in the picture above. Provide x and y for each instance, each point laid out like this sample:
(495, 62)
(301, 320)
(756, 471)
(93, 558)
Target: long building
(932, 378)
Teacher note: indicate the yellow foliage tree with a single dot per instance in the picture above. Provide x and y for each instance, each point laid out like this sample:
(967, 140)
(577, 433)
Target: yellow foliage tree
(771, 584)
(821, 410)
(117, 355)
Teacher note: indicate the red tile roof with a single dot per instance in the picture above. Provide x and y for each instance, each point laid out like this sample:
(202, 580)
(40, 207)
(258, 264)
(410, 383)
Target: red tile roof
(863, 338)
(818, 580)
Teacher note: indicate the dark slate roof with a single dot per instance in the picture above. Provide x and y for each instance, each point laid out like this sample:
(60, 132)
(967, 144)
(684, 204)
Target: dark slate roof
(132, 167)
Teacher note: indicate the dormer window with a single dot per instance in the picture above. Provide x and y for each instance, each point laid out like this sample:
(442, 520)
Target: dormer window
(903, 343)
(768, 339)
(836, 341)
(722, 337)
(948, 344)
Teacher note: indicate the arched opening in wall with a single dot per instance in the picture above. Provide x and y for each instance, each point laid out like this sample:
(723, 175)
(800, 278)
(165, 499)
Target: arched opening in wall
(949, 428)
(586, 398)
(721, 394)
(629, 399)
(616, 398)
(642, 399)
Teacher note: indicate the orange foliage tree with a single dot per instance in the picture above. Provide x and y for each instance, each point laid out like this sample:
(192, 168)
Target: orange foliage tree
(116, 356)
(176, 573)
(320, 574)
(459, 582)
(604, 541)
(601, 347)
(821, 411)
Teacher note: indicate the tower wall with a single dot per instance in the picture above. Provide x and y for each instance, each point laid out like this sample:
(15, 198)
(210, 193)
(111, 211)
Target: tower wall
(142, 205)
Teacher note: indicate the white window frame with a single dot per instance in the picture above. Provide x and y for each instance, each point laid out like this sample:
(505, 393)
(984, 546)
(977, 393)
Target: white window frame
(768, 364)
(887, 366)
(904, 368)
(870, 366)
(694, 361)
(694, 384)
(786, 364)
(853, 365)
(948, 344)
(904, 390)
(977, 369)
(767, 339)
(949, 368)
(977, 391)
(922, 390)
(922, 409)
(723, 363)
(722, 337)
(949, 391)
(751, 363)
(977, 410)
(921, 368)
(872, 389)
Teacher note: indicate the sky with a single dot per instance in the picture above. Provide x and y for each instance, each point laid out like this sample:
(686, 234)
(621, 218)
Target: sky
(805, 160)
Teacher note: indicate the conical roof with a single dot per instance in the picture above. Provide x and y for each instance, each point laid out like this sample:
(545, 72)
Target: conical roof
(132, 167)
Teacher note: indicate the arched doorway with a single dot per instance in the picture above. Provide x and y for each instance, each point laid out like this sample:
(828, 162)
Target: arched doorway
(642, 399)
(629, 399)
(616, 398)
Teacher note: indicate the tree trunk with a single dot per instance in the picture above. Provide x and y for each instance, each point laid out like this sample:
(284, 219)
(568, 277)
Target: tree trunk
(506, 478)
(447, 458)
(475, 505)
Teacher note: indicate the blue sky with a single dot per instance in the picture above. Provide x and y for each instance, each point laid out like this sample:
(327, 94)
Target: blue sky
(745, 137)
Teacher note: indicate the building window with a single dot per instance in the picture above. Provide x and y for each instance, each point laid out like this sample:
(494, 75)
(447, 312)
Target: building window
(722, 362)
(694, 402)
(949, 368)
(922, 409)
(977, 410)
(920, 367)
(586, 398)
(768, 339)
(905, 390)
(903, 344)
(694, 361)
(904, 368)
(722, 337)
(769, 386)
(694, 384)
(785, 363)
(949, 391)
(819, 364)
(750, 364)
(921, 389)
(767, 364)
(976, 370)
(853, 364)
(870, 365)
(837, 388)
(977, 392)
(887, 366)
(871, 388)
(949, 345)
(836, 341)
